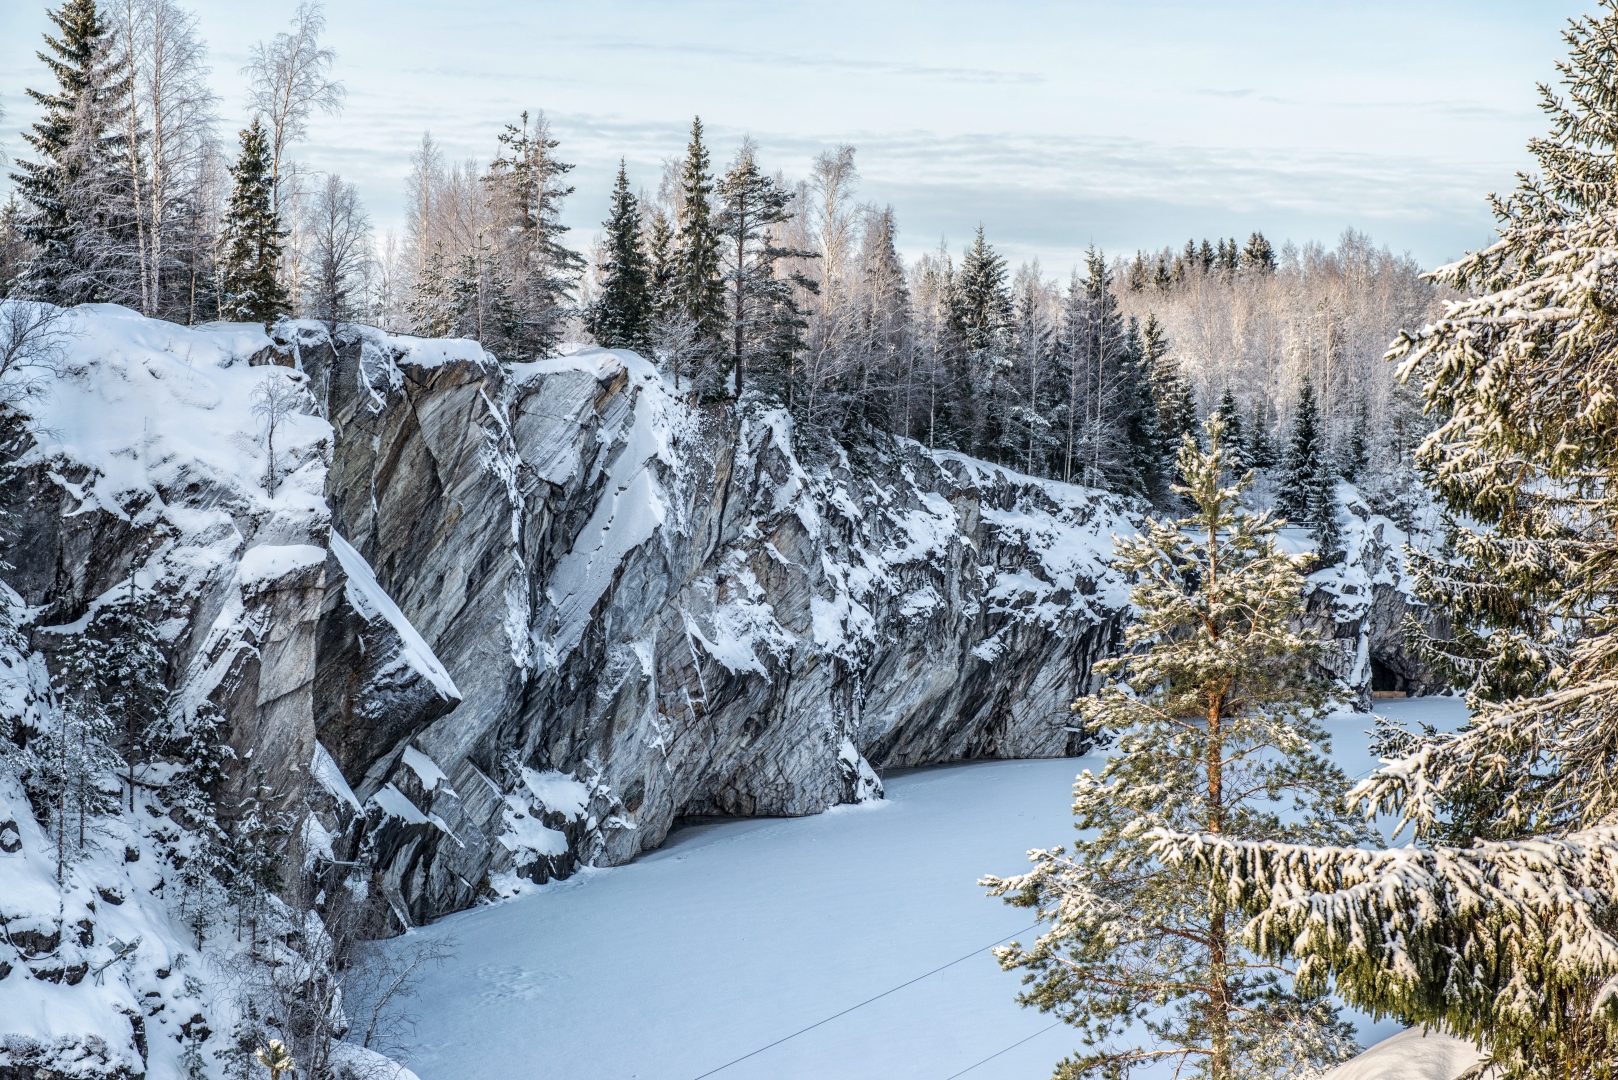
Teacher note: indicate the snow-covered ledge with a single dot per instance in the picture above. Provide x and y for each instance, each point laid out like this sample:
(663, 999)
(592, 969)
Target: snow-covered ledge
(1416, 1054)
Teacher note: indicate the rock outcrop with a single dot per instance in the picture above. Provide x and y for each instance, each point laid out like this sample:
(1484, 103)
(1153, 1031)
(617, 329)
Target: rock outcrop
(653, 609)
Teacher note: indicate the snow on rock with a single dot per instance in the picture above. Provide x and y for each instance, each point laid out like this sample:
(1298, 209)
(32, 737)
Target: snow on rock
(1416, 1054)
(143, 463)
(1359, 604)
(370, 601)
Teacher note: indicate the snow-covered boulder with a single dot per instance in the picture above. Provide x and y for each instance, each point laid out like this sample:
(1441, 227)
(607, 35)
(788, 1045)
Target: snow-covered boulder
(1416, 1054)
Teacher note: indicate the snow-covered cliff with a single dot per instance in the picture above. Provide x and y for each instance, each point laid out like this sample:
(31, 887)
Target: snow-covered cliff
(482, 623)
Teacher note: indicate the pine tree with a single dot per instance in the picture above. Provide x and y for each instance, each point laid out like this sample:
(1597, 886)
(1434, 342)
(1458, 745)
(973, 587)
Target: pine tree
(1214, 721)
(1230, 420)
(698, 291)
(1498, 925)
(75, 207)
(621, 318)
(250, 289)
(1304, 460)
(765, 323)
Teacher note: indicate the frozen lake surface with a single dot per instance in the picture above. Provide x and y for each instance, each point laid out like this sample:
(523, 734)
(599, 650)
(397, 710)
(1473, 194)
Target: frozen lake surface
(734, 935)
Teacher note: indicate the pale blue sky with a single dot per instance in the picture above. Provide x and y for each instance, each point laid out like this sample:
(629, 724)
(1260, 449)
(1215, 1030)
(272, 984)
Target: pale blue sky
(1054, 124)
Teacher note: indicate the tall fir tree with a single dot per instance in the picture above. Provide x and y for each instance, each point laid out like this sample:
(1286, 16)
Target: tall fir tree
(79, 767)
(1500, 924)
(76, 216)
(660, 266)
(1145, 440)
(621, 317)
(982, 316)
(699, 294)
(250, 288)
(1214, 719)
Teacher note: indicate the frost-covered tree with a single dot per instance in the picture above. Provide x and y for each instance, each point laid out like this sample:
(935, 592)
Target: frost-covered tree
(289, 79)
(1213, 714)
(1357, 455)
(197, 746)
(1501, 925)
(1258, 255)
(77, 216)
(621, 316)
(129, 673)
(337, 232)
(537, 271)
(78, 768)
(764, 321)
(250, 289)
(1260, 447)
(275, 398)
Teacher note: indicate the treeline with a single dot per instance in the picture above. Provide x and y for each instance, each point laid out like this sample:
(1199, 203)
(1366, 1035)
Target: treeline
(735, 279)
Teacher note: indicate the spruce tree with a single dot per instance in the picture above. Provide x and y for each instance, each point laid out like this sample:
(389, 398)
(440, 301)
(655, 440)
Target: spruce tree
(1305, 459)
(75, 210)
(621, 318)
(982, 317)
(982, 301)
(249, 287)
(79, 767)
(1213, 714)
(660, 258)
(1230, 419)
(1260, 447)
(1171, 391)
(1145, 440)
(699, 294)
(1500, 924)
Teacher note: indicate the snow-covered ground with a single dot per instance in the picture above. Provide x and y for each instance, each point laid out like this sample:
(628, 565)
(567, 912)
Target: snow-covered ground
(734, 935)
